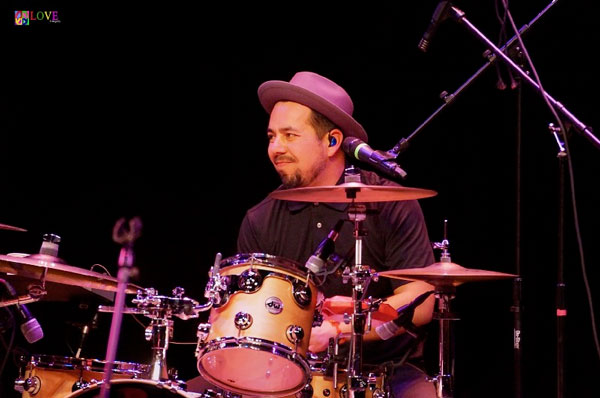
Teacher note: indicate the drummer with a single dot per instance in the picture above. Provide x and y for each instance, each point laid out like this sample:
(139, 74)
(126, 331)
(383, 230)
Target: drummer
(309, 117)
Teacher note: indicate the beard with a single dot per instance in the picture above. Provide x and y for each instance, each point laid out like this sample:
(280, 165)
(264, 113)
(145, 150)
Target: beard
(298, 179)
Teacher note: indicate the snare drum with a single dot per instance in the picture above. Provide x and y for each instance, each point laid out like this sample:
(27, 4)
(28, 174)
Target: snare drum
(56, 377)
(257, 338)
(133, 389)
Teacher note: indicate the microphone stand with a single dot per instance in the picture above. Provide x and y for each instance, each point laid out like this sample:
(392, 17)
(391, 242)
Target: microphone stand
(561, 307)
(561, 312)
(126, 260)
(448, 99)
(579, 126)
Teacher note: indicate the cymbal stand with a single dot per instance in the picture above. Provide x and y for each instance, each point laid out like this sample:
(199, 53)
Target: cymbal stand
(361, 276)
(444, 380)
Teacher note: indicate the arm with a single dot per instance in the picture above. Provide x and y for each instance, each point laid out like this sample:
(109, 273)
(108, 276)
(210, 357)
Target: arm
(319, 338)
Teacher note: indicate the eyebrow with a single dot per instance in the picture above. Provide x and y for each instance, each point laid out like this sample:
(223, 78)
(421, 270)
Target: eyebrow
(285, 129)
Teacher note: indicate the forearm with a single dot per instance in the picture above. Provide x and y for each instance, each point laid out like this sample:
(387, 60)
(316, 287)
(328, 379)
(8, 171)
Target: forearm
(402, 295)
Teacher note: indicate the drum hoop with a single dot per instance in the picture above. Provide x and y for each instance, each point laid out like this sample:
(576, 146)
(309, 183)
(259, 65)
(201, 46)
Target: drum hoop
(45, 361)
(264, 259)
(155, 383)
(258, 344)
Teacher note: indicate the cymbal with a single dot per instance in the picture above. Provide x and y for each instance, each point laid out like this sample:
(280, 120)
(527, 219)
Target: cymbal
(445, 274)
(11, 228)
(33, 266)
(351, 192)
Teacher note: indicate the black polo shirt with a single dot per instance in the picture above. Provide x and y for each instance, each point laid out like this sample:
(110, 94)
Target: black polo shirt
(396, 237)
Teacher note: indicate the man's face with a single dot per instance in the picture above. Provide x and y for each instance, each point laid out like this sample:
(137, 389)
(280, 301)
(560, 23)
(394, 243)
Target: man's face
(298, 155)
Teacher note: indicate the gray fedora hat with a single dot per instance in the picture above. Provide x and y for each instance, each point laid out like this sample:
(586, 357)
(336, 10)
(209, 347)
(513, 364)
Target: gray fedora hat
(318, 93)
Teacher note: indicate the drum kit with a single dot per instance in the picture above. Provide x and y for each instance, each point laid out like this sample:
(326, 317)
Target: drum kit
(261, 311)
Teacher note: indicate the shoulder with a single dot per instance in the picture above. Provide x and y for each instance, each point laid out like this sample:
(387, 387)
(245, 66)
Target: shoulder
(264, 208)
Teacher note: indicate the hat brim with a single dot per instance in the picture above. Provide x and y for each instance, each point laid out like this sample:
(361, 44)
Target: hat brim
(271, 92)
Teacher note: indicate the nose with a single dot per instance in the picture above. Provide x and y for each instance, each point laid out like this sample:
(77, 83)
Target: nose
(276, 145)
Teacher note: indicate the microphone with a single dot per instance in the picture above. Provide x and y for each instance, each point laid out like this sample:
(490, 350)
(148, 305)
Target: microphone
(30, 327)
(440, 14)
(404, 320)
(85, 331)
(358, 149)
(316, 262)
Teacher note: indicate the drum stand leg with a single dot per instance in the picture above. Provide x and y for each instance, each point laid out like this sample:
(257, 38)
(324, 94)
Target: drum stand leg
(443, 381)
(159, 333)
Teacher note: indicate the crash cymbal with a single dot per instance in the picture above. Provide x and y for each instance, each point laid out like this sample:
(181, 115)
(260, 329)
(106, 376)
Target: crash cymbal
(11, 228)
(34, 266)
(445, 274)
(352, 192)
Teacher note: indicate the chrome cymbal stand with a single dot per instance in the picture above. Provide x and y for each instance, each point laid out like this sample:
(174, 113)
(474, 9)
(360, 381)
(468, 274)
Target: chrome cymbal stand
(360, 275)
(444, 292)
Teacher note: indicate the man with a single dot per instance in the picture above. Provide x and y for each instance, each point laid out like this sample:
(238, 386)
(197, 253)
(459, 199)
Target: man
(309, 117)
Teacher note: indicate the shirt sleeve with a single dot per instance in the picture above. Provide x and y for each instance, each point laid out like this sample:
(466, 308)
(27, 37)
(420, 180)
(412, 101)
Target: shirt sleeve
(408, 243)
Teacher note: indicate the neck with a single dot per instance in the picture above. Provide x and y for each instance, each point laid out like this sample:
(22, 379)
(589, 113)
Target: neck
(332, 172)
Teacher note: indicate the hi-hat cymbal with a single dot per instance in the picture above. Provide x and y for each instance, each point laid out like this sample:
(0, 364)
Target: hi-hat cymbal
(34, 266)
(445, 274)
(352, 192)
(11, 228)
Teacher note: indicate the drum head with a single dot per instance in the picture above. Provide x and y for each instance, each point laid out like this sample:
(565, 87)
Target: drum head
(258, 370)
(264, 259)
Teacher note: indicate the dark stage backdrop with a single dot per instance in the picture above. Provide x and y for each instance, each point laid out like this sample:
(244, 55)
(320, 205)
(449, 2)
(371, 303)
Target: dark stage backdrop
(149, 109)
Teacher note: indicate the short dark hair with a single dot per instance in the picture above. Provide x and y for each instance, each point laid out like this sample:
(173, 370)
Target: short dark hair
(321, 124)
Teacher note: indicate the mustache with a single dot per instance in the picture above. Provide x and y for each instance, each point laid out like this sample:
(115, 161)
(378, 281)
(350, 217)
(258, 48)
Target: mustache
(284, 158)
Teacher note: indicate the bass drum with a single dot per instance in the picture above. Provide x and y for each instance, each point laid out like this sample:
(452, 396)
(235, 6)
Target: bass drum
(135, 388)
(258, 334)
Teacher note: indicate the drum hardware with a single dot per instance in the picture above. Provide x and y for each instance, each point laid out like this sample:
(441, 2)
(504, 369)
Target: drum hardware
(161, 309)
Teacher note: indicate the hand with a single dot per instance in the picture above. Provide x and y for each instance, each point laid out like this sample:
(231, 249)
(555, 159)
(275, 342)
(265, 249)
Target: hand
(320, 335)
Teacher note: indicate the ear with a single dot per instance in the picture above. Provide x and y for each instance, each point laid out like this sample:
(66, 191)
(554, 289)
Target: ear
(334, 140)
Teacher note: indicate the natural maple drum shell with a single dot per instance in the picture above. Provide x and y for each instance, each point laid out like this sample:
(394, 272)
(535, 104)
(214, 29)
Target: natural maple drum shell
(266, 326)
(323, 386)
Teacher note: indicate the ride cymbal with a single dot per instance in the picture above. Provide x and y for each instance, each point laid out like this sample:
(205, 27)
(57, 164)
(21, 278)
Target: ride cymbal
(445, 274)
(352, 192)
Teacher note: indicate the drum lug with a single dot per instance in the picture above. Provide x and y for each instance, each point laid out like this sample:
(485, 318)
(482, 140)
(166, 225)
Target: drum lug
(203, 331)
(31, 385)
(302, 293)
(317, 319)
(243, 320)
(306, 392)
(249, 281)
(295, 333)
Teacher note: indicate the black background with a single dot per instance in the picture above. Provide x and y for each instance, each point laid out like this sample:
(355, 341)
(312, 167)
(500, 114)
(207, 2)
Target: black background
(149, 109)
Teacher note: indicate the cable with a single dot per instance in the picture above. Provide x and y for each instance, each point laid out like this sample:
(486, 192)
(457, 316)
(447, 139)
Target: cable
(10, 343)
(571, 178)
